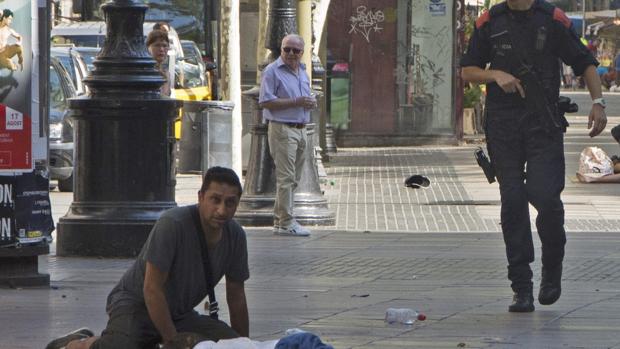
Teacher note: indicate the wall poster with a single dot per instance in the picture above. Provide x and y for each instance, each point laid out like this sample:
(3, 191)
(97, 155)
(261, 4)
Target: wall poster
(430, 88)
(25, 209)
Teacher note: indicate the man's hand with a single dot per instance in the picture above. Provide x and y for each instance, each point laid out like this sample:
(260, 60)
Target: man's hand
(597, 120)
(508, 83)
(307, 102)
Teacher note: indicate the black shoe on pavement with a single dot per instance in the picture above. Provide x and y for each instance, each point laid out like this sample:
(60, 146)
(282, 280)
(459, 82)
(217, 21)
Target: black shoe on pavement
(62, 342)
(615, 132)
(417, 182)
(522, 302)
(550, 285)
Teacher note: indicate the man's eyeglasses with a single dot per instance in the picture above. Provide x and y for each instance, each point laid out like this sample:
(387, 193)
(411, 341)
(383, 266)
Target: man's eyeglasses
(289, 49)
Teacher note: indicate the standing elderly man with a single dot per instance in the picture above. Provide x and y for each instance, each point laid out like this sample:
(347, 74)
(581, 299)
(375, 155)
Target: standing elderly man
(286, 98)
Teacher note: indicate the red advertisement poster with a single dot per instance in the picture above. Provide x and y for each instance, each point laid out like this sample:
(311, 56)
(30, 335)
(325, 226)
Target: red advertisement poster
(15, 140)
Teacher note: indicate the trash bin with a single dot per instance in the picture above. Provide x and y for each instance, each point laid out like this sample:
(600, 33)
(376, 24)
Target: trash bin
(206, 136)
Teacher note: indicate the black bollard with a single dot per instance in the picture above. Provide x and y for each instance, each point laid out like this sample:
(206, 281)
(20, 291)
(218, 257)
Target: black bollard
(124, 145)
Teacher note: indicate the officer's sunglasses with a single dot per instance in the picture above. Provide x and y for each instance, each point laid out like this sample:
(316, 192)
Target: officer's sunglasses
(289, 49)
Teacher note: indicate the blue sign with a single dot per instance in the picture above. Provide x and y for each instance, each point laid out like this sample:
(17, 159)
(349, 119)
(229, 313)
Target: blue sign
(437, 8)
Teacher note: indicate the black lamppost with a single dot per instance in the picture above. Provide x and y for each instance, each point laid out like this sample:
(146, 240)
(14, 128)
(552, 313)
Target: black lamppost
(256, 207)
(124, 163)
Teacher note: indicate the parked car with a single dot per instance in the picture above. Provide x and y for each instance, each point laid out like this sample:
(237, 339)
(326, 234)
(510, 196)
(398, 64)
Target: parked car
(60, 125)
(88, 55)
(74, 63)
(194, 56)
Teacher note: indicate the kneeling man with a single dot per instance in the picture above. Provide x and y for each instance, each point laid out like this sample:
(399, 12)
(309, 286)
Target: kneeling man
(155, 299)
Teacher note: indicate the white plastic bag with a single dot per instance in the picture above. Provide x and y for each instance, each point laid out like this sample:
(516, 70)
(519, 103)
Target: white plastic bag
(594, 164)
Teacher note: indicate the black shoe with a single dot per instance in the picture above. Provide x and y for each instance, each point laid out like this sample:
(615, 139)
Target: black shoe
(417, 181)
(62, 342)
(615, 132)
(522, 302)
(550, 285)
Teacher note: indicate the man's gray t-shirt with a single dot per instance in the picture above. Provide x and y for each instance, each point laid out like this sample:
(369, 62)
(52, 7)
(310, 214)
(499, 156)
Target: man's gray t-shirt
(173, 247)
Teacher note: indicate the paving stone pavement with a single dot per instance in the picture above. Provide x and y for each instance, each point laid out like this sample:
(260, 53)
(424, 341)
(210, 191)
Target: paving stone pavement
(437, 250)
(365, 187)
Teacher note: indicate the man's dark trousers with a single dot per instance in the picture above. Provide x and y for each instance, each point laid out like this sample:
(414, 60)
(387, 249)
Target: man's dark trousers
(529, 165)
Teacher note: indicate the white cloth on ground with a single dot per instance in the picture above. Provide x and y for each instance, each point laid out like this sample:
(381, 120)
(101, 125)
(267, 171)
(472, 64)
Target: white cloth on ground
(237, 343)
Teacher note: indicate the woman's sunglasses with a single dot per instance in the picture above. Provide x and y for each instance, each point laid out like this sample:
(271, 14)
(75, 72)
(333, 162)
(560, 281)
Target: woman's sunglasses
(289, 49)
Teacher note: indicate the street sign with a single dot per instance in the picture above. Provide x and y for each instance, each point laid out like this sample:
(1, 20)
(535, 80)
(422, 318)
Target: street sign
(15, 140)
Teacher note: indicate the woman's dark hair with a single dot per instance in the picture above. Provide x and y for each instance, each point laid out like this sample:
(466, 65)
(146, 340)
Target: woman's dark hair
(156, 35)
(161, 26)
(221, 175)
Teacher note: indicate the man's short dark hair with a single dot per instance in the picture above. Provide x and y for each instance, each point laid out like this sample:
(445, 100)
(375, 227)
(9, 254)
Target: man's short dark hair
(221, 175)
(6, 13)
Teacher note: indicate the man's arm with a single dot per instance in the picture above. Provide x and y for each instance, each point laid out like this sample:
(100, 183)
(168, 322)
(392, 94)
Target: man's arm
(597, 120)
(285, 103)
(280, 103)
(507, 82)
(156, 304)
(237, 307)
(16, 36)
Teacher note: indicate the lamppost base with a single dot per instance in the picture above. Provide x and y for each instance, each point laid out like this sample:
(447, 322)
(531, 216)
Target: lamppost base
(309, 209)
(255, 210)
(107, 229)
(19, 266)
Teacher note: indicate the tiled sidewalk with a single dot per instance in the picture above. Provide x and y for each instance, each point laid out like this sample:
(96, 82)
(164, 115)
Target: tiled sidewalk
(365, 187)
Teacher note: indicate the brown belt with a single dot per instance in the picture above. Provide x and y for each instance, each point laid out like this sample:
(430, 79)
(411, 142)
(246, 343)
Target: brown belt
(294, 125)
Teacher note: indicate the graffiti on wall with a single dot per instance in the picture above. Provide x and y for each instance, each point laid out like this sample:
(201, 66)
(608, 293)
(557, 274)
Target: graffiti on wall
(366, 21)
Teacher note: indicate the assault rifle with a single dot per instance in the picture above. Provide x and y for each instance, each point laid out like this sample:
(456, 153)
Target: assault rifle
(536, 100)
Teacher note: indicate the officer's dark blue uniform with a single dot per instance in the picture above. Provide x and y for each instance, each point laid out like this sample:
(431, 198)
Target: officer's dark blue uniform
(527, 155)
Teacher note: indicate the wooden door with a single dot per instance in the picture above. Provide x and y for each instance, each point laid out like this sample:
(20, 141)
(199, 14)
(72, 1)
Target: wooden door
(363, 33)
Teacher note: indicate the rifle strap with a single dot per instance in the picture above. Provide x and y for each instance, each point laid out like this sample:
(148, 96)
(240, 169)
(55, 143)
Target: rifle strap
(206, 264)
(520, 53)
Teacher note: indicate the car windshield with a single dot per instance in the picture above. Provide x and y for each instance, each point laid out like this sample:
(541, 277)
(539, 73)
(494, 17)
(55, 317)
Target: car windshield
(67, 62)
(57, 97)
(188, 50)
(80, 40)
(89, 58)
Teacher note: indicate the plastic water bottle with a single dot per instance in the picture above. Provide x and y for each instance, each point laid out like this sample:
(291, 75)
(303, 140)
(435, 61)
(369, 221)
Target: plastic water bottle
(402, 315)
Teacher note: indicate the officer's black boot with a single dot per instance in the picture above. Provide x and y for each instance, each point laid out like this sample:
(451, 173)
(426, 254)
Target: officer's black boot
(550, 285)
(522, 302)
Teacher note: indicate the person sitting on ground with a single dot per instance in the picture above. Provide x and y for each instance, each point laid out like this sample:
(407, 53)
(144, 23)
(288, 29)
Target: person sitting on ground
(157, 43)
(155, 299)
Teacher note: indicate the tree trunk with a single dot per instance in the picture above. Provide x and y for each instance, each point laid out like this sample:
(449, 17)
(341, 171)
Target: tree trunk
(231, 73)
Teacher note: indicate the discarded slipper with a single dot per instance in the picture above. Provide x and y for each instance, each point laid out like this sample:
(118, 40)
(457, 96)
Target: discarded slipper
(417, 181)
(615, 132)
(62, 342)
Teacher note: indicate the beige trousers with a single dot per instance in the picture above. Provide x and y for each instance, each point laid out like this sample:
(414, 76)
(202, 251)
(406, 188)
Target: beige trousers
(9, 52)
(287, 147)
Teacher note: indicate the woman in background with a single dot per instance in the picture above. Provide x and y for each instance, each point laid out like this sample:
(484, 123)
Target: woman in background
(158, 43)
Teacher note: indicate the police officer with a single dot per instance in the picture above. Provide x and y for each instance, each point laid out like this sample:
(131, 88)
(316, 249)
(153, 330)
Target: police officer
(526, 144)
